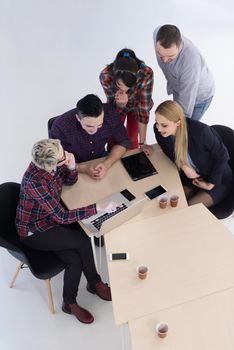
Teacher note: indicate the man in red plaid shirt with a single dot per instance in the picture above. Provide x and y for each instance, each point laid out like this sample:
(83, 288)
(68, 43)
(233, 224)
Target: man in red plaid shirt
(44, 224)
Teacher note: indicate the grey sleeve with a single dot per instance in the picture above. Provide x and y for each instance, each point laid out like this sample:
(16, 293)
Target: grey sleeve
(154, 38)
(188, 84)
(155, 34)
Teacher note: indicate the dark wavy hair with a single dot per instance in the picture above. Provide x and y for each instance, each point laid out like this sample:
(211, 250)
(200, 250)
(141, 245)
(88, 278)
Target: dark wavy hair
(90, 106)
(126, 66)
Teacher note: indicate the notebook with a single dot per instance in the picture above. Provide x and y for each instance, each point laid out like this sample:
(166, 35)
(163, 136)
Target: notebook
(138, 166)
(104, 222)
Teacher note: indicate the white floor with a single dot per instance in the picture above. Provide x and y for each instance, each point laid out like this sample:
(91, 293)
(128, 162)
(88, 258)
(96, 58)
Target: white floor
(26, 322)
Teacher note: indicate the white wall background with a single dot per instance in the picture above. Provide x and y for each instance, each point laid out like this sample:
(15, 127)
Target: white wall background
(51, 53)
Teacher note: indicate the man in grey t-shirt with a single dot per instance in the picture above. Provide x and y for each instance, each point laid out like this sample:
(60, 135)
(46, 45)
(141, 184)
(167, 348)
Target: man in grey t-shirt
(188, 76)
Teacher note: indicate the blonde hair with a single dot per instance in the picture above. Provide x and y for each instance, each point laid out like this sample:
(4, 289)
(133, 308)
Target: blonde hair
(45, 153)
(172, 111)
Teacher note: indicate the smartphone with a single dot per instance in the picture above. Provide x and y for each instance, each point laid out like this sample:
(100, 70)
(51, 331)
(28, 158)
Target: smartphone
(119, 256)
(155, 192)
(127, 194)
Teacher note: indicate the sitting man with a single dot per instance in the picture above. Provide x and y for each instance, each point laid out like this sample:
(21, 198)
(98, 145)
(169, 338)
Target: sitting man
(84, 131)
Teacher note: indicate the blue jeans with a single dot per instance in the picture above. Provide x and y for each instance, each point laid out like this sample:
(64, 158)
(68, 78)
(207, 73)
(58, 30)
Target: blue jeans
(200, 108)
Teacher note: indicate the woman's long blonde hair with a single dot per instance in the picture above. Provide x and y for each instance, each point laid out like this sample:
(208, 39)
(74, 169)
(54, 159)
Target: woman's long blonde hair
(172, 111)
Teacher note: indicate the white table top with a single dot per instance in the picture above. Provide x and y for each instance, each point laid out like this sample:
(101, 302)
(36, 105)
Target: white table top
(189, 254)
(87, 191)
(205, 324)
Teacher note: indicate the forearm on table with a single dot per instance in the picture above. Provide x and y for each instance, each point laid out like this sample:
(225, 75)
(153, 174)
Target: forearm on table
(82, 168)
(116, 153)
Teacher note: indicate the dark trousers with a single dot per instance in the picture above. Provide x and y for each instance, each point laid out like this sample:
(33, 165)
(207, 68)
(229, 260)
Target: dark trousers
(73, 247)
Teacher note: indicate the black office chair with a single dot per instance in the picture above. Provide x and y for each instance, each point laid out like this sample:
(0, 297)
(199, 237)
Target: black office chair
(50, 123)
(43, 265)
(226, 207)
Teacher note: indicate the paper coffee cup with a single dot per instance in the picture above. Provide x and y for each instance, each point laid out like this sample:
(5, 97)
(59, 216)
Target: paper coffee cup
(174, 200)
(163, 202)
(161, 329)
(142, 271)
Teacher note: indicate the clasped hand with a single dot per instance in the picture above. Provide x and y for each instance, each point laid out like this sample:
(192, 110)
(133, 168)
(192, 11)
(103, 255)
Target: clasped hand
(121, 98)
(98, 171)
(199, 182)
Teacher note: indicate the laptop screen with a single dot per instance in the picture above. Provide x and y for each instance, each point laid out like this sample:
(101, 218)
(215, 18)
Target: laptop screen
(138, 166)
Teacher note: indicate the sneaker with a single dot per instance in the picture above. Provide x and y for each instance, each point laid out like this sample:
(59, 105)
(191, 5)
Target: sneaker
(81, 314)
(101, 289)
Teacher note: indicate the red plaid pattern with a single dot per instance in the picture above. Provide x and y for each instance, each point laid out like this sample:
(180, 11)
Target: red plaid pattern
(139, 97)
(39, 207)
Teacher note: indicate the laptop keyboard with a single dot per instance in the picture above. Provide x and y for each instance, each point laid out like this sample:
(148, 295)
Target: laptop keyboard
(98, 221)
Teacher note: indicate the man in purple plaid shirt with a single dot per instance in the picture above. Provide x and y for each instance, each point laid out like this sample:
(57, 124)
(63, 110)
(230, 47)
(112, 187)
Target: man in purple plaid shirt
(85, 131)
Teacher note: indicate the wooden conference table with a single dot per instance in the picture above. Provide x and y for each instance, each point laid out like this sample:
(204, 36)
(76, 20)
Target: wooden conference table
(188, 252)
(87, 190)
(206, 323)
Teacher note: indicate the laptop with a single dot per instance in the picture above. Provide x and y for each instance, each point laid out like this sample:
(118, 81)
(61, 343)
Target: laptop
(104, 222)
(138, 166)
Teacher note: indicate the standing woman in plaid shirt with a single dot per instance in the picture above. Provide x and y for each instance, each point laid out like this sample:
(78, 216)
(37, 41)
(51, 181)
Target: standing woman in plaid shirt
(128, 83)
(44, 224)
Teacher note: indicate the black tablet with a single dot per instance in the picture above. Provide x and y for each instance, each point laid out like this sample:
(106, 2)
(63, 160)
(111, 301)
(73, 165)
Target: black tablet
(138, 166)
